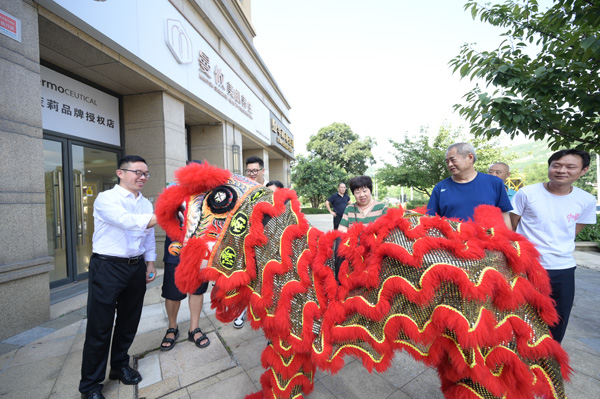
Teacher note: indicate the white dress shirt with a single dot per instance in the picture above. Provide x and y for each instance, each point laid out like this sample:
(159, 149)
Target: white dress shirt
(120, 221)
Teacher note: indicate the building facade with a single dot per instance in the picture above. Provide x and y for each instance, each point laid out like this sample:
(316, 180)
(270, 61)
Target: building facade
(85, 82)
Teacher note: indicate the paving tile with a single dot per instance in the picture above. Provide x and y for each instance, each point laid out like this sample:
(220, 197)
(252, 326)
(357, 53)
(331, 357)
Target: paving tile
(583, 387)
(29, 336)
(235, 387)
(39, 352)
(179, 394)
(425, 385)
(164, 387)
(254, 374)
(63, 321)
(67, 383)
(355, 382)
(403, 369)
(321, 392)
(205, 369)
(248, 353)
(149, 368)
(186, 356)
(6, 350)
(31, 380)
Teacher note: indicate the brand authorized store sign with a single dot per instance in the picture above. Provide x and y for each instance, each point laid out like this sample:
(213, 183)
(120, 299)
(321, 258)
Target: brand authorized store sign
(281, 137)
(154, 32)
(74, 108)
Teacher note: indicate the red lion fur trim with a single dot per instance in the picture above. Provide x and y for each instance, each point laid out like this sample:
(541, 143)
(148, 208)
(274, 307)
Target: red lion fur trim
(167, 206)
(187, 273)
(202, 177)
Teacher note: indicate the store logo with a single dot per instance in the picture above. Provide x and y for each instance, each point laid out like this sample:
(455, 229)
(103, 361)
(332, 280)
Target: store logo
(178, 41)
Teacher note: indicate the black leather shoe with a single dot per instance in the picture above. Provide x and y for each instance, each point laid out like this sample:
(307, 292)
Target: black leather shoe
(126, 375)
(95, 394)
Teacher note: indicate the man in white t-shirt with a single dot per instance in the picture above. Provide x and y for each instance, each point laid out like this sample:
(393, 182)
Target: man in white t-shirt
(550, 215)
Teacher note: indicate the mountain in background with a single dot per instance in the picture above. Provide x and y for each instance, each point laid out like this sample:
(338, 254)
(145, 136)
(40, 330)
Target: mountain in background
(528, 154)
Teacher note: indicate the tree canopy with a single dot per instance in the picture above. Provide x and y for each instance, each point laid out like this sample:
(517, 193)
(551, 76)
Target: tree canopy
(554, 94)
(339, 145)
(316, 179)
(420, 161)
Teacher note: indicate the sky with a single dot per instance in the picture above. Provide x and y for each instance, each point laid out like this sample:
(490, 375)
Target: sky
(379, 66)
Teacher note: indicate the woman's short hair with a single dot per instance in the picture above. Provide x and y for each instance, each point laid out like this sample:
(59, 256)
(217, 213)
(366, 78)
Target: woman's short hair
(359, 182)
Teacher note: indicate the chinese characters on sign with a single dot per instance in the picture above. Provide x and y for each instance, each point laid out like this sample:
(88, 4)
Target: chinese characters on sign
(74, 108)
(282, 137)
(75, 112)
(226, 89)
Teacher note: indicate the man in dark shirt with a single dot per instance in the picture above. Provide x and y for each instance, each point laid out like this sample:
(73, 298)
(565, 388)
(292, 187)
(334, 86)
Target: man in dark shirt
(339, 201)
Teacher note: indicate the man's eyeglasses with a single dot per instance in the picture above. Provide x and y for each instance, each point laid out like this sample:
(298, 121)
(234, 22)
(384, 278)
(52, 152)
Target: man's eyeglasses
(253, 171)
(138, 173)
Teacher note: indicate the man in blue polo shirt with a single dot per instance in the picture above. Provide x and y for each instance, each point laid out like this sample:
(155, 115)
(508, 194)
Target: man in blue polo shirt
(339, 201)
(459, 195)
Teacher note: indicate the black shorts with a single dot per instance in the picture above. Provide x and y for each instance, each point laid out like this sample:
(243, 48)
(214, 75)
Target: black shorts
(169, 289)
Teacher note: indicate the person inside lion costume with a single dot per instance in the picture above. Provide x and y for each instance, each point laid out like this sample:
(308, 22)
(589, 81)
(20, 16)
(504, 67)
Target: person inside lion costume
(469, 299)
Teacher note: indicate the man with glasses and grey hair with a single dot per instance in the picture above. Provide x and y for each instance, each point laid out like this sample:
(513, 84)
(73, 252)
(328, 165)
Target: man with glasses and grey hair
(120, 267)
(459, 195)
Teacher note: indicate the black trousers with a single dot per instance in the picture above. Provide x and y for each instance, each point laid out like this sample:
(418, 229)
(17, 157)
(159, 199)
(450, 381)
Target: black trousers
(113, 286)
(336, 221)
(563, 293)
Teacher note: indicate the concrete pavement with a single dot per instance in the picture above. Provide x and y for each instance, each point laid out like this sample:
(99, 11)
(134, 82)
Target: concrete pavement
(45, 362)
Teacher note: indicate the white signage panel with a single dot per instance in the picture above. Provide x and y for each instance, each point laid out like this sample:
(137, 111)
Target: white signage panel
(76, 109)
(155, 33)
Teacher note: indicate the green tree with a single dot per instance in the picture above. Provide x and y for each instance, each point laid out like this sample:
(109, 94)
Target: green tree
(554, 94)
(420, 162)
(536, 173)
(339, 145)
(316, 179)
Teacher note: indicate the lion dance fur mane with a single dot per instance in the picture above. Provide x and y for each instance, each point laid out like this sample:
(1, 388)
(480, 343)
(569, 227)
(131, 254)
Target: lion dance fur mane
(468, 299)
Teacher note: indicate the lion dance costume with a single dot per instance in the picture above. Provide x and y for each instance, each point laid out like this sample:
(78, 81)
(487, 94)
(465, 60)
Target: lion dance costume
(469, 299)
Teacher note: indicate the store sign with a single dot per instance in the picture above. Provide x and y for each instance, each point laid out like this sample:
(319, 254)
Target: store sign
(281, 137)
(76, 109)
(160, 39)
(225, 88)
(10, 26)
(178, 41)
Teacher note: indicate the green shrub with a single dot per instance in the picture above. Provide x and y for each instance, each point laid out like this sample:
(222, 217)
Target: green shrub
(416, 203)
(314, 211)
(591, 232)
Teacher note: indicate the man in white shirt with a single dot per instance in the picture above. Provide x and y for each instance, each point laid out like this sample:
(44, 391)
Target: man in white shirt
(120, 267)
(550, 215)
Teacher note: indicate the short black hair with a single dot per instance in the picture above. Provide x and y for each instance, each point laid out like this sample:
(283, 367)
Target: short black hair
(127, 159)
(194, 161)
(584, 155)
(275, 183)
(255, 159)
(361, 181)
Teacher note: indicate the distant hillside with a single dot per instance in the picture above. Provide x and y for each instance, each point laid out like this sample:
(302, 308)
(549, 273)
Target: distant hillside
(529, 154)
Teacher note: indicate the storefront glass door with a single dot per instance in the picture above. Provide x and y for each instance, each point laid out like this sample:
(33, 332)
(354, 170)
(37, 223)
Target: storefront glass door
(74, 174)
